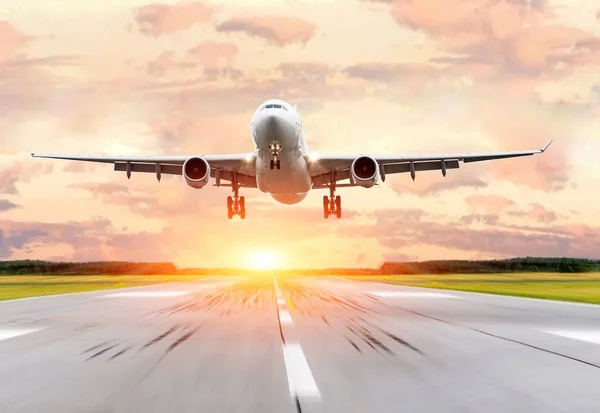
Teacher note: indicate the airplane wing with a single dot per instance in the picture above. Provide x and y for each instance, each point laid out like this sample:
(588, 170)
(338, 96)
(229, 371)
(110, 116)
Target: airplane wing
(221, 166)
(328, 168)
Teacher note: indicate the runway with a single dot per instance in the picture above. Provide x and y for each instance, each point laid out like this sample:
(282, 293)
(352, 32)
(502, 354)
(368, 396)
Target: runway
(313, 344)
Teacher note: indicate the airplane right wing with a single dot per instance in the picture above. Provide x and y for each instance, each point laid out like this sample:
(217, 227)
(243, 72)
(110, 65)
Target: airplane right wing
(330, 168)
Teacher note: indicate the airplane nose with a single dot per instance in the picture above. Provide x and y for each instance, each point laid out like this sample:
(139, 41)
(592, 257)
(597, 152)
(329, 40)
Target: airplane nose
(271, 123)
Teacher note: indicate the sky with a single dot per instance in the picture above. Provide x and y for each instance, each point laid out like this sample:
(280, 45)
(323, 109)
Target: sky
(131, 77)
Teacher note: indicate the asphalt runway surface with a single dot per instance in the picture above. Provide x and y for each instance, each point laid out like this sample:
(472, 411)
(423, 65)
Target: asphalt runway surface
(239, 344)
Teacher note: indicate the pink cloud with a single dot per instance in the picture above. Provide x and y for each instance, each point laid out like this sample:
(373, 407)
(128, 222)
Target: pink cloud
(396, 229)
(279, 30)
(538, 213)
(11, 40)
(431, 183)
(214, 53)
(19, 172)
(490, 204)
(161, 63)
(94, 239)
(161, 19)
(6, 205)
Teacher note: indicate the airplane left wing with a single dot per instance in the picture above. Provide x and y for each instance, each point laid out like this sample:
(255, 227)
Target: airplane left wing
(221, 166)
(328, 168)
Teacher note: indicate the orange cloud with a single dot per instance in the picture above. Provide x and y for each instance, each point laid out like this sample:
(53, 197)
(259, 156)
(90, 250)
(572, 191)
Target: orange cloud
(11, 40)
(161, 19)
(279, 30)
(458, 17)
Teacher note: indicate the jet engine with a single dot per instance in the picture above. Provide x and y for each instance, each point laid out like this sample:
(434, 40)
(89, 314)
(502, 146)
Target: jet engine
(364, 172)
(196, 172)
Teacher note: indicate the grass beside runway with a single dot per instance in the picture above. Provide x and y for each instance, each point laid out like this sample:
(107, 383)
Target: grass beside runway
(579, 287)
(23, 286)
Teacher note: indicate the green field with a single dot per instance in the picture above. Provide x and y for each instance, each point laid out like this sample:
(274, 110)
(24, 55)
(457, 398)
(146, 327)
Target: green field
(580, 287)
(21, 286)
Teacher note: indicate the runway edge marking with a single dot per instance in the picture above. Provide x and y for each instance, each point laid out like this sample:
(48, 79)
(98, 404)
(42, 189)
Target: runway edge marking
(8, 333)
(464, 294)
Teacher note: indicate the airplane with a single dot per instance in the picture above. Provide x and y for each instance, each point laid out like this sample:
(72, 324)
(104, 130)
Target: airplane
(282, 166)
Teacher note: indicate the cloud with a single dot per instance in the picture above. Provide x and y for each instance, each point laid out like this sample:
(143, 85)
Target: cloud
(6, 205)
(430, 183)
(21, 172)
(393, 231)
(94, 239)
(488, 219)
(11, 41)
(538, 213)
(490, 204)
(213, 54)
(161, 64)
(162, 19)
(278, 30)
(457, 17)
(500, 38)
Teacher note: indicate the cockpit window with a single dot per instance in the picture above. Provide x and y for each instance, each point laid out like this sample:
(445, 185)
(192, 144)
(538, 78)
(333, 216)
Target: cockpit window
(274, 106)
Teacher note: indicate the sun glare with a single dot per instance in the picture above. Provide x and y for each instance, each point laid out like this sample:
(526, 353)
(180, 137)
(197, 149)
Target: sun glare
(263, 260)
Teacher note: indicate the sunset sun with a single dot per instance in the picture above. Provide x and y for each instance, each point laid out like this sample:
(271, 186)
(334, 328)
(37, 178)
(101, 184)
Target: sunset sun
(263, 260)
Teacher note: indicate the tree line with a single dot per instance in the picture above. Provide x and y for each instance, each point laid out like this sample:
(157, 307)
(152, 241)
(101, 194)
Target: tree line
(86, 268)
(528, 264)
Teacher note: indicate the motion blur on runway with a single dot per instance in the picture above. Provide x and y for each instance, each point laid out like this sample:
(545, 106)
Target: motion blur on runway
(312, 344)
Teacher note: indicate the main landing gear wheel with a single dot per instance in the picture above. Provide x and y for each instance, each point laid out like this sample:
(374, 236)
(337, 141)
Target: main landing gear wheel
(242, 207)
(338, 206)
(332, 205)
(236, 205)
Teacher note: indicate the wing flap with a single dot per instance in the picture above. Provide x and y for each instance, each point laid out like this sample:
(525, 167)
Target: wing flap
(149, 168)
(397, 168)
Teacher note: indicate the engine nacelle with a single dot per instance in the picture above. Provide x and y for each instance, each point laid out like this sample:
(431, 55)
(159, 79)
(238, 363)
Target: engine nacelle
(196, 172)
(365, 172)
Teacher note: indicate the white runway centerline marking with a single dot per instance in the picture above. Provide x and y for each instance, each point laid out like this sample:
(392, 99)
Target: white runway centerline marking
(299, 376)
(285, 317)
(591, 336)
(280, 301)
(6, 333)
(148, 294)
(411, 294)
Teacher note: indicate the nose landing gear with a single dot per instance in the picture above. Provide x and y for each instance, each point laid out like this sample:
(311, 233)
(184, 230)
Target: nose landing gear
(275, 149)
(236, 205)
(275, 163)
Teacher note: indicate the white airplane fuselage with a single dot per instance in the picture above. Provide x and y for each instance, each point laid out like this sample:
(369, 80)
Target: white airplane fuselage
(276, 130)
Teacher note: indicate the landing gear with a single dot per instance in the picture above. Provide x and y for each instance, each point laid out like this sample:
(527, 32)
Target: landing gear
(236, 205)
(332, 205)
(275, 163)
(275, 149)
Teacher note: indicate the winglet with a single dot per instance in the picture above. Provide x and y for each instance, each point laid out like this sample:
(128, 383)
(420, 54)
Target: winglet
(546, 147)
(29, 150)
